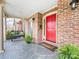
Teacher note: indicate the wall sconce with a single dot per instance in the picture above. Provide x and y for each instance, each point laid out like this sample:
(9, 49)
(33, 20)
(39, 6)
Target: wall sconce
(33, 19)
(74, 4)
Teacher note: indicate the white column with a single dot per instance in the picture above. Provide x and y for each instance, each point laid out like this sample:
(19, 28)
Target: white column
(14, 24)
(1, 30)
(23, 25)
(4, 27)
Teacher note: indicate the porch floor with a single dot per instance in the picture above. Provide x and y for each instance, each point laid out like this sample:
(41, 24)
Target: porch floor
(21, 50)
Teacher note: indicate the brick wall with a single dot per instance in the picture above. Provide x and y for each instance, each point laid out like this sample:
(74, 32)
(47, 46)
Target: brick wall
(68, 23)
(36, 30)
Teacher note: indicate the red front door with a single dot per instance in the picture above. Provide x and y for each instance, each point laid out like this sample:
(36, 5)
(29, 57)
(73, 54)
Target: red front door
(51, 28)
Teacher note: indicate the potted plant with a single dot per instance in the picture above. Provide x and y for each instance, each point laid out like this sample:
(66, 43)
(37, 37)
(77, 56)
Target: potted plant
(69, 51)
(28, 39)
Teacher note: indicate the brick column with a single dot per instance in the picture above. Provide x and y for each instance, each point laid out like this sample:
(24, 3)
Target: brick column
(1, 30)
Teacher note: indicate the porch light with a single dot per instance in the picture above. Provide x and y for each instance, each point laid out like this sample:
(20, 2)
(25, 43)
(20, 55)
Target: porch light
(73, 4)
(33, 19)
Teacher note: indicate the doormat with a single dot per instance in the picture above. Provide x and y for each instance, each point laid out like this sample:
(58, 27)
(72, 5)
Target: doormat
(49, 46)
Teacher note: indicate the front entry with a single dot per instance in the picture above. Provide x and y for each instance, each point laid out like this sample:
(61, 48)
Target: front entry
(51, 28)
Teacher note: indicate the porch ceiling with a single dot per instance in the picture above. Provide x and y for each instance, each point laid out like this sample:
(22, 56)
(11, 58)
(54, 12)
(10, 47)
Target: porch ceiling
(25, 8)
(1, 1)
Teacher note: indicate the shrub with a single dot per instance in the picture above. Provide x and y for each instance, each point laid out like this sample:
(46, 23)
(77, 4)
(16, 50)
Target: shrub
(69, 51)
(13, 35)
(8, 35)
(28, 39)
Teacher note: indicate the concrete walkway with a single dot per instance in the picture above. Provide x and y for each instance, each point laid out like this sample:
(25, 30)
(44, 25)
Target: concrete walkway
(21, 50)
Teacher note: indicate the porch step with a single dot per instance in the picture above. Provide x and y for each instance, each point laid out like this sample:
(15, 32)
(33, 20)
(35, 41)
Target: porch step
(49, 46)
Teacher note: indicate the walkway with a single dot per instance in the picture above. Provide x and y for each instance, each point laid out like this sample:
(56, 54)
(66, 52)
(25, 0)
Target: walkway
(21, 50)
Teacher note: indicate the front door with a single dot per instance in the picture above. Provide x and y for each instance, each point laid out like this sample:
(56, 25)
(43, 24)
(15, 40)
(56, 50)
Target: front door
(51, 28)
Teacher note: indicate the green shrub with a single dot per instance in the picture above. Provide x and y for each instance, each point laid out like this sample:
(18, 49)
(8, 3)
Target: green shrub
(28, 39)
(17, 32)
(13, 34)
(8, 35)
(69, 51)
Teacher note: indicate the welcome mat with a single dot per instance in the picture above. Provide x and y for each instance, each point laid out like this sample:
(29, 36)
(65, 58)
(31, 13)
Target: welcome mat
(49, 46)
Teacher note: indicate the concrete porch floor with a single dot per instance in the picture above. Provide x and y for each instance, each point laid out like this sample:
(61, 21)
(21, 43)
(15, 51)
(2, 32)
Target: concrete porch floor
(21, 50)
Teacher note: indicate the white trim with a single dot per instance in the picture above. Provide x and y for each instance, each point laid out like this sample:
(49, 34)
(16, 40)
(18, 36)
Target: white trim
(56, 29)
(50, 13)
(49, 9)
(43, 36)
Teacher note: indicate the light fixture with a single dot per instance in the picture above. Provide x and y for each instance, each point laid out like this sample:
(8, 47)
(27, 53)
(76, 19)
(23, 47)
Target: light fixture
(33, 19)
(74, 4)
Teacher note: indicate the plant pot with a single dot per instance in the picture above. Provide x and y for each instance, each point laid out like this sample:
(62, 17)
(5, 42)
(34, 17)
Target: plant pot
(28, 42)
(28, 39)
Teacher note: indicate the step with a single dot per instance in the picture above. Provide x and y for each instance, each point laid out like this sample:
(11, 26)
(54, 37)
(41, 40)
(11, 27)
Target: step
(49, 46)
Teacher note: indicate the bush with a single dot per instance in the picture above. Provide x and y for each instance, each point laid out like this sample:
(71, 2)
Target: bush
(69, 51)
(13, 35)
(8, 35)
(28, 39)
